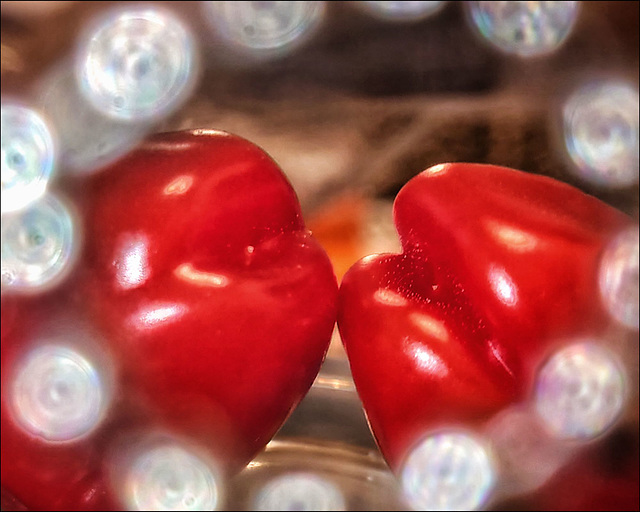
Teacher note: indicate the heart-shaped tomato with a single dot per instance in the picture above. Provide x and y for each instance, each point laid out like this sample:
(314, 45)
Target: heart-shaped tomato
(213, 308)
(499, 270)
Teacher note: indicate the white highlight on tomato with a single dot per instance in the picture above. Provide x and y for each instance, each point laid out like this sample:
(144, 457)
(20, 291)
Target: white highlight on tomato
(503, 286)
(131, 262)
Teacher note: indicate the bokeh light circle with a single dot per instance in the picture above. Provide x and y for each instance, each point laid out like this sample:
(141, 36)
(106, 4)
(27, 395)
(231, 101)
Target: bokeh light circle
(28, 156)
(58, 394)
(265, 29)
(448, 471)
(138, 64)
(580, 391)
(618, 281)
(299, 491)
(171, 477)
(526, 29)
(38, 245)
(402, 10)
(600, 127)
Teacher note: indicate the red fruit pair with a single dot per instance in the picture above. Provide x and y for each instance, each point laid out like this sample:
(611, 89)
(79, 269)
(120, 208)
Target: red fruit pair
(212, 307)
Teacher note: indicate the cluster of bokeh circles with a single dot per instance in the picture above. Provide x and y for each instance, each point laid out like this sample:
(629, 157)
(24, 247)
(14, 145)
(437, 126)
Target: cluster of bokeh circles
(136, 65)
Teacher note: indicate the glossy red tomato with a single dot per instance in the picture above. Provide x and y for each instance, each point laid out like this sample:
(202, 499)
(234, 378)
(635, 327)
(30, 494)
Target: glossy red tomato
(499, 270)
(208, 304)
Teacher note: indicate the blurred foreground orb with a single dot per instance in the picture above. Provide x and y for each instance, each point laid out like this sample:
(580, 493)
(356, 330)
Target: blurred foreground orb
(58, 394)
(265, 29)
(580, 391)
(300, 491)
(619, 287)
(38, 245)
(528, 456)
(526, 29)
(170, 477)
(84, 150)
(28, 156)
(448, 471)
(402, 10)
(600, 125)
(138, 64)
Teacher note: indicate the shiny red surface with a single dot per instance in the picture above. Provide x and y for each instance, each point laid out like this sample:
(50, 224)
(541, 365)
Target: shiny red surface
(499, 269)
(214, 303)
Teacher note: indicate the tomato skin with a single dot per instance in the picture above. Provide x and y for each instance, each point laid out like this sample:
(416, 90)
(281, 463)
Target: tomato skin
(213, 301)
(499, 268)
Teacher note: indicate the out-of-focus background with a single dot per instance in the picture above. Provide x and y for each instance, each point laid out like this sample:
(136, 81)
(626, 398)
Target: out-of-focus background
(352, 100)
